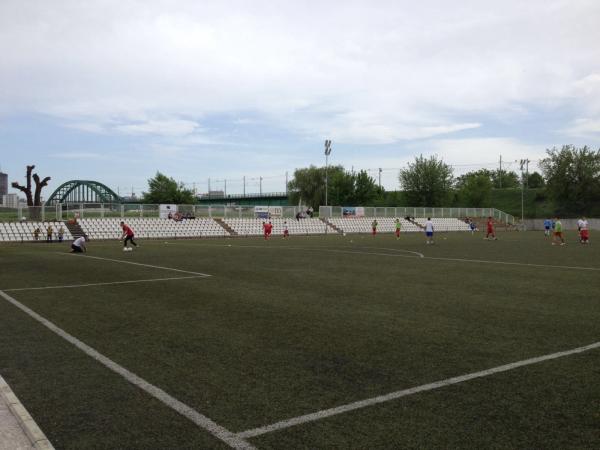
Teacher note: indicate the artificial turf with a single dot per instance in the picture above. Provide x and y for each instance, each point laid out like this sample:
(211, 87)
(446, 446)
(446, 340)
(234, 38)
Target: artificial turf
(286, 328)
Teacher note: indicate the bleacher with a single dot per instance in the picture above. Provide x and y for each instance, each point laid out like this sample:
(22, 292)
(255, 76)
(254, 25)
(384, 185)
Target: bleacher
(152, 228)
(155, 228)
(364, 224)
(446, 224)
(254, 227)
(23, 231)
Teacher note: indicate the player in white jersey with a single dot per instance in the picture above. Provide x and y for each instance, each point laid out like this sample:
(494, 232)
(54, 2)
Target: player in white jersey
(429, 230)
(78, 245)
(584, 233)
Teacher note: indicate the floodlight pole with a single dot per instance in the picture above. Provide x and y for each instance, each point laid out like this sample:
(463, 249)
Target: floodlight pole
(327, 152)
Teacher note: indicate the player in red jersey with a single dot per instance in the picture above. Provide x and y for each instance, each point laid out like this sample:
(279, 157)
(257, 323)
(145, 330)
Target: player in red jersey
(127, 235)
(267, 229)
(490, 229)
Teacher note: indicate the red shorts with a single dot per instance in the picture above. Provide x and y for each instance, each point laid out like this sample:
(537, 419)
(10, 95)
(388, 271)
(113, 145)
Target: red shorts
(490, 231)
(398, 233)
(374, 230)
(558, 234)
(585, 234)
(286, 233)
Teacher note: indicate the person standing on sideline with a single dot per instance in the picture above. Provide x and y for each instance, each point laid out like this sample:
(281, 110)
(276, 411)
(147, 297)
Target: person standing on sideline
(49, 234)
(429, 230)
(398, 227)
(547, 227)
(558, 232)
(127, 235)
(490, 229)
(374, 227)
(78, 245)
(584, 232)
(61, 233)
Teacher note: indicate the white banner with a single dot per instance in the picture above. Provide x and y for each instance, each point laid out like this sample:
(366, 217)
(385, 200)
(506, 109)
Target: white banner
(164, 210)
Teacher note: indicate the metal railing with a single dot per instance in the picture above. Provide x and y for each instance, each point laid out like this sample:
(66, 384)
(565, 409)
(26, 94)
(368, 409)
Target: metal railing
(419, 212)
(67, 211)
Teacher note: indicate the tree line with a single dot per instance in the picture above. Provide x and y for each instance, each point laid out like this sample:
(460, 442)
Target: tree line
(570, 178)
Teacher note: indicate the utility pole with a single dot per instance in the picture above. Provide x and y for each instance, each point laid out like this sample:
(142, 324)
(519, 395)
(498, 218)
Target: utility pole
(380, 178)
(260, 185)
(225, 187)
(327, 153)
(208, 187)
(244, 185)
(286, 183)
(524, 163)
(500, 173)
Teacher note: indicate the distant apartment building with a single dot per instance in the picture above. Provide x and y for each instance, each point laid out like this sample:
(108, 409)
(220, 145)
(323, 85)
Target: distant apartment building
(10, 201)
(3, 184)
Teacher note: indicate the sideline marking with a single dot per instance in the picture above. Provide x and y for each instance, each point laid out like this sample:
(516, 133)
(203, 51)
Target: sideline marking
(135, 263)
(406, 392)
(102, 284)
(199, 419)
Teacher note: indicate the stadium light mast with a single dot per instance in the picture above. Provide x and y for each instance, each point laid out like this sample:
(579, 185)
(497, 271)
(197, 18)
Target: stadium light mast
(327, 153)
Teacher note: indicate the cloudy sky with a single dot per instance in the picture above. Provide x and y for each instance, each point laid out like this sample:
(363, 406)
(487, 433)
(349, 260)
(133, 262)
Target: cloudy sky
(115, 90)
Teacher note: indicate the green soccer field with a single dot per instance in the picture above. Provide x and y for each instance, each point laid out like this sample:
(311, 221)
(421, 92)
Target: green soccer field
(249, 333)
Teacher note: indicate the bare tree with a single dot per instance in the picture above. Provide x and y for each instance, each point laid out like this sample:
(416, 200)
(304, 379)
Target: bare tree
(33, 198)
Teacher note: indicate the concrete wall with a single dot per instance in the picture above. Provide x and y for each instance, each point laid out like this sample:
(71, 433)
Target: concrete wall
(568, 224)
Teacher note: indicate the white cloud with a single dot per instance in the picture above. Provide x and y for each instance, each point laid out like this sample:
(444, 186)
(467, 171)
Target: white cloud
(584, 128)
(370, 71)
(79, 155)
(170, 127)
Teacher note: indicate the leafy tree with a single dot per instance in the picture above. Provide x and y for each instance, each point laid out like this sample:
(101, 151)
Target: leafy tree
(345, 188)
(366, 190)
(535, 181)
(573, 177)
(474, 188)
(341, 187)
(163, 189)
(427, 181)
(505, 180)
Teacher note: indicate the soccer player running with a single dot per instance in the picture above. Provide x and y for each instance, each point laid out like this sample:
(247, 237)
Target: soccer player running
(558, 232)
(267, 228)
(584, 232)
(429, 231)
(127, 235)
(398, 227)
(374, 227)
(490, 229)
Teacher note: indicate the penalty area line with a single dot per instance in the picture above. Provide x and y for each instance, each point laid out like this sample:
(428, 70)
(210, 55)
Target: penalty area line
(199, 419)
(135, 264)
(107, 283)
(406, 392)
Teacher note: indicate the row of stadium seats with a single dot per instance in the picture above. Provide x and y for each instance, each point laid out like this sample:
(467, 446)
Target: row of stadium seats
(446, 224)
(152, 228)
(109, 228)
(364, 224)
(254, 227)
(24, 231)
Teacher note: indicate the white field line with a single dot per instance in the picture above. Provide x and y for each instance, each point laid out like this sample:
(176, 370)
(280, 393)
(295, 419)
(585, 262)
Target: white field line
(420, 255)
(406, 392)
(135, 263)
(508, 263)
(199, 419)
(107, 283)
